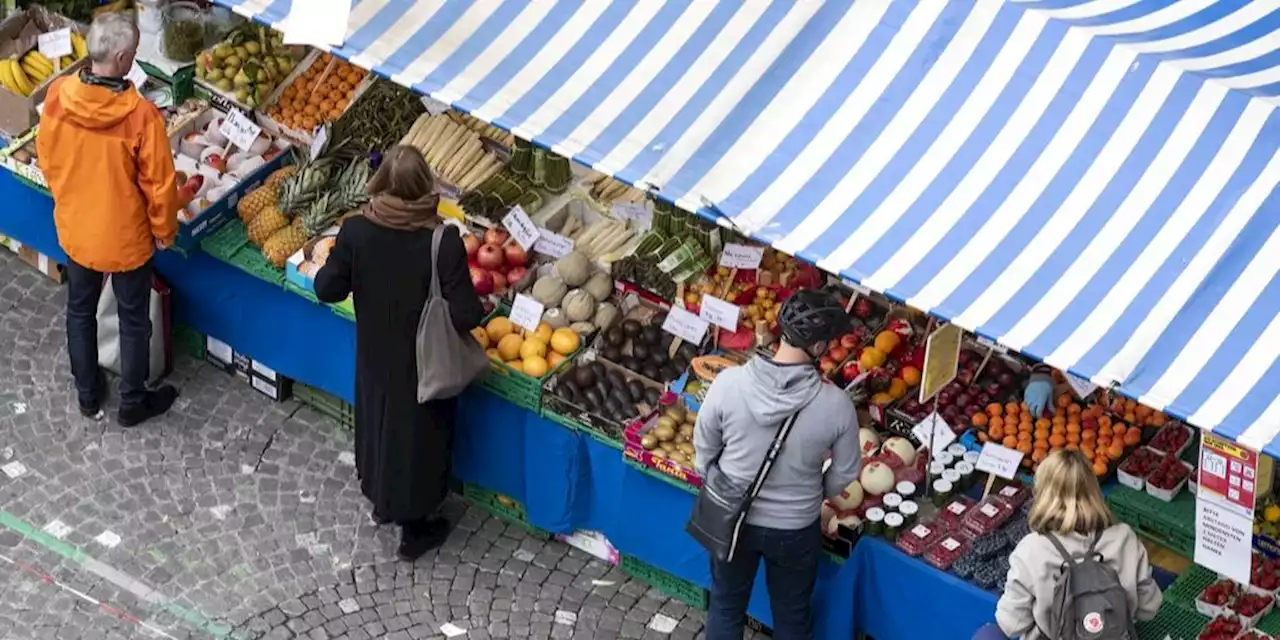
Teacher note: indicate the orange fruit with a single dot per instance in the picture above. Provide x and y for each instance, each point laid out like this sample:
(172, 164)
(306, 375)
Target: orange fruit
(978, 419)
(1057, 440)
(1025, 446)
(1011, 408)
(1064, 400)
(1043, 423)
(1099, 469)
(1104, 422)
(1087, 451)
(1039, 455)
(911, 375)
(1024, 436)
(994, 409)
(983, 436)
(996, 432)
(1025, 427)
(1073, 428)
(1072, 446)
(1115, 450)
(1133, 437)
(1142, 411)
(1059, 420)
(996, 422)
(1042, 434)
(1010, 442)
(1157, 419)
(1073, 409)
(1088, 436)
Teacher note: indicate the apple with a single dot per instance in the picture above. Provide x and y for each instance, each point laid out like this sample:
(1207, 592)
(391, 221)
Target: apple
(838, 354)
(849, 341)
(489, 256)
(217, 162)
(495, 236)
(850, 371)
(516, 274)
(482, 280)
(472, 242)
(516, 255)
(499, 281)
(827, 365)
(194, 183)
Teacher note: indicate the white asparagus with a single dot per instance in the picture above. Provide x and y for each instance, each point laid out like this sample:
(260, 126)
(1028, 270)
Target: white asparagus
(427, 135)
(413, 131)
(446, 143)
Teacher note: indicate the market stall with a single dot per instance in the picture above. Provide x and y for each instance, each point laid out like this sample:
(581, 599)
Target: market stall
(635, 185)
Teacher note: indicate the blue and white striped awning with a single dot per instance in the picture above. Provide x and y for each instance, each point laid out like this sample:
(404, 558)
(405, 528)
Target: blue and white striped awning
(1091, 182)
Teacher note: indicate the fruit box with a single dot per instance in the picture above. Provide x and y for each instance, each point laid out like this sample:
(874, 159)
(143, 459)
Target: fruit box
(1169, 494)
(297, 136)
(1158, 442)
(19, 33)
(558, 406)
(1127, 474)
(920, 536)
(634, 449)
(1254, 634)
(634, 307)
(516, 386)
(1214, 599)
(1262, 605)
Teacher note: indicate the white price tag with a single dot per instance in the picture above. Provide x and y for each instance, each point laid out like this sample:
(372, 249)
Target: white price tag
(136, 75)
(990, 344)
(957, 508)
(990, 510)
(685, 325)
(521, 227)
(434, 107)
(950, 544)
(999, 460)
(317, 145)
(318, 23)
(741, 256)
(240, 129)
(720, 313)
(55, 44)
(630, 211)
(933, 426)
(920, 531)
(1081, 386)
(552, 244)
(526, 312)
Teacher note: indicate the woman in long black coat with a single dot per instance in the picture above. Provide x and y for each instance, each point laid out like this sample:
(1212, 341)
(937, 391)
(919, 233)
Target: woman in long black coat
(383, 257)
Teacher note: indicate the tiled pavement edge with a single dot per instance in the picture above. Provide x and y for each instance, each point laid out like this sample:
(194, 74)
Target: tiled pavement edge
(236, 517)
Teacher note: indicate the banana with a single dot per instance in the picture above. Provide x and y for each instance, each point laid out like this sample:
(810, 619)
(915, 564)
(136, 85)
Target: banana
(78, 46)
(40, 62)
(33, 73)
(20, 78)
(6, 77)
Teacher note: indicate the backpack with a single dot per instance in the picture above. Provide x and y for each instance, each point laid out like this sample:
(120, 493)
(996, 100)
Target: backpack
(1089, 603)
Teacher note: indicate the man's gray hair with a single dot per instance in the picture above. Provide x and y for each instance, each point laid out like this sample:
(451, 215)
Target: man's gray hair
(110, 34)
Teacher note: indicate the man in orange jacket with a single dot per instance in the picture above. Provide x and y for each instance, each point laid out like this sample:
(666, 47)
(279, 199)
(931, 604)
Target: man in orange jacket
(104, 150)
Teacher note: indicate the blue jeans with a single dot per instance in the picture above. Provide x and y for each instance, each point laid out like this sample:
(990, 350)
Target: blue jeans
(133, 304)
(790, 571)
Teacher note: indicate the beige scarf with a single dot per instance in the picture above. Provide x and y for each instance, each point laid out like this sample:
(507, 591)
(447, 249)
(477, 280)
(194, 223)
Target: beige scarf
(405, 215)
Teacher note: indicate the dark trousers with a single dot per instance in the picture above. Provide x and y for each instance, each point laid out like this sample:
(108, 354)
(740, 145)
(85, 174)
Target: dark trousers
(790, 571)
(133, 302)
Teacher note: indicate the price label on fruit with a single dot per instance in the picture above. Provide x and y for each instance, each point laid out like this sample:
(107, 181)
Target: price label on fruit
(552, 244)
(951, 544)
(526, 312)
(240, 129)
(999, 460)
(521, 227)
(957, 508)
(1081, 386)
(685, 325)
(317, 144)
(55, 44)
(990, 510)
(741, 256)
(936, 430)
(720, 313)
(434, 107)
(920, 531)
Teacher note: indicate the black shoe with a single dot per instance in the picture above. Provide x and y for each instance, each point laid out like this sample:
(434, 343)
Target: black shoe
(93, 410)
(416, 539)
(157, 403)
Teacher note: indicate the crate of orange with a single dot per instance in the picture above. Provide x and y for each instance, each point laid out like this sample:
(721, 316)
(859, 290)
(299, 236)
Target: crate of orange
(1087, 428)
(318, 92)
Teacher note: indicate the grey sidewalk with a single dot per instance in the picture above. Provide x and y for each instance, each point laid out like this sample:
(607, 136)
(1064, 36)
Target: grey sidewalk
(236, 517)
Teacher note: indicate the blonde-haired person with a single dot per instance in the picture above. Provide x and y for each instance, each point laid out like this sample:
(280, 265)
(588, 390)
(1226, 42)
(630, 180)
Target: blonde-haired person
(383, 258)
(1068, 505)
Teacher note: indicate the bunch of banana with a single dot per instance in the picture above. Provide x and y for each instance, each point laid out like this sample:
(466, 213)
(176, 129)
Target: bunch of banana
(22, 75)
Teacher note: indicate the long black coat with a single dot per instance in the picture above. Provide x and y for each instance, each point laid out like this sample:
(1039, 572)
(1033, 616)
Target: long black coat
(402, 447)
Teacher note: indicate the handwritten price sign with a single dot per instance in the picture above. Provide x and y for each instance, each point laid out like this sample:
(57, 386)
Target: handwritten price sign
(240, 129)
(741, 256)
(521, 227)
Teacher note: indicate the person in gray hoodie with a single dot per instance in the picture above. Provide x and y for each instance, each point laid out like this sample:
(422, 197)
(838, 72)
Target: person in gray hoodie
(737, 422)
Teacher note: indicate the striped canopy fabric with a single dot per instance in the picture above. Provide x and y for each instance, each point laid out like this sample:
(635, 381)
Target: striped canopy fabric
(1090, 182)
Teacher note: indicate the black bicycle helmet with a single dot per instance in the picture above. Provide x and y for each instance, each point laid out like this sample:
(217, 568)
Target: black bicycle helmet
(811, 316)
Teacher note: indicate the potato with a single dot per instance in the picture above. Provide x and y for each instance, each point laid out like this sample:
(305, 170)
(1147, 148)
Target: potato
(664, 433)
(649, 441)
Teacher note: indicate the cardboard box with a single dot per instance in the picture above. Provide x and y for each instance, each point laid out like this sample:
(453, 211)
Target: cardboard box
(19, 34)
(42, 263)
(297, 136)
(257, 375)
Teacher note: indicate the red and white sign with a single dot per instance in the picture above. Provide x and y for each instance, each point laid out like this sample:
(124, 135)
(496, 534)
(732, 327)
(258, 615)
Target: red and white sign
(1229, 471)
(1224, 507)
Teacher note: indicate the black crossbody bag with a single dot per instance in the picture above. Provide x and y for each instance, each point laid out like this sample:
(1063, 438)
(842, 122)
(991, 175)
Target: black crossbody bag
(721, 508)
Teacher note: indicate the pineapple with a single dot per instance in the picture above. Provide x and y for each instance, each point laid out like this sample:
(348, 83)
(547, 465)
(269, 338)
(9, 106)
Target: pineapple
(270, 220)
(348, 194)
(257, 200)
(279, 175)
(287, 241)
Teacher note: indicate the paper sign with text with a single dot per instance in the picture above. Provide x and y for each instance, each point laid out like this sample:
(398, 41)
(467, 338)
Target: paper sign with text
(317, 145)
(521, 227)
(936, 430)
(999, 460)
(137, 75)
(552, 244)
(1226, 496)
(990, 344)
(741, 256)
(55, 44)
(240, 129)
(720, 313)
(1081, 386)
(630, 211)
(685, 325)
(526, 312)
(318, 23)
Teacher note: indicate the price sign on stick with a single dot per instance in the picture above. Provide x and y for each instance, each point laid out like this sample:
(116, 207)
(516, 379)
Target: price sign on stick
(526, 312)
(630, 211)
(552, 244)
(240, 129)
(1081, 386)
(999, 460)
(685, 325)
(55, 44)
(317, 144)
(720, 313)
(434, 107)
(741, 256)
(933, 429)
(521, 227)
(318, 23)
(941, 359)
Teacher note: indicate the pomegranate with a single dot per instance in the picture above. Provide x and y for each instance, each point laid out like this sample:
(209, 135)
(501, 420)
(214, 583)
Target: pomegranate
(499, 281)
(489, 256)
(516, 255)
(495, 236)
(516, 274)
(472, 242)
(482, 281)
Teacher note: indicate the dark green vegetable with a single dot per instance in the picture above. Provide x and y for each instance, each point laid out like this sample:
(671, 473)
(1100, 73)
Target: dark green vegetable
(380, 118)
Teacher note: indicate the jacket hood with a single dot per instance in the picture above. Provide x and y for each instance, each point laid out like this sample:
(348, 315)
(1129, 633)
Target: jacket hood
(95, 107)
(775, 391)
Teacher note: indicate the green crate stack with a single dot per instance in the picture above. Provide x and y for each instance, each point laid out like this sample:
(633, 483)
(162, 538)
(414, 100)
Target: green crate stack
(1171, 524)
(592, 432)
(514, 386)
(501, 507)
(1270, 623)
(1184, 590)
(188, 341)
(1173, 622)
(230, 245)
(683, 590)
(325, 403)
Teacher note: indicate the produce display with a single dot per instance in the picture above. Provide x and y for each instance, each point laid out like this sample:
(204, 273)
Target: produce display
(455, 151)
(1087, 429)
(670, 437)
(608, 392)
(1222, 628)
(247, 65)
(641, 346)
(495, 196)
(381, 117)
(21, 75)
(575, 295)
(606, 190)
(533, 353)
(320, 95)
(541, 167)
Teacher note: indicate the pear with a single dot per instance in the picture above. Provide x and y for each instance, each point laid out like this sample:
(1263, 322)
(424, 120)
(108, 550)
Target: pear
(233, 61)
(285, 64)
(213, 75)
(200, 72)
(242, 52)
(225, 84)
(222, 52)
(242, 79)
(252, 47)
(242, 95)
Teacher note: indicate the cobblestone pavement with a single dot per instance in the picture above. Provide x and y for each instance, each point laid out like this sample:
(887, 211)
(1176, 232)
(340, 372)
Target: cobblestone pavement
(237, 517)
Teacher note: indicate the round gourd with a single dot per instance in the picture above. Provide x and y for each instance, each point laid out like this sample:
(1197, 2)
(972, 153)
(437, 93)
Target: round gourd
(877, 479)
(578, 306)
(573, 269)
(606, 315)
(869, 440)
(902, 448)
(850, 498)
(564, 341)
(555, 318)
(599, 285)
(549, 291)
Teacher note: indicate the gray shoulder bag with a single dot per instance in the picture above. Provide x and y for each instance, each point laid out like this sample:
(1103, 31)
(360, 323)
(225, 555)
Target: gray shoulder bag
(448, 360)
(721, 508)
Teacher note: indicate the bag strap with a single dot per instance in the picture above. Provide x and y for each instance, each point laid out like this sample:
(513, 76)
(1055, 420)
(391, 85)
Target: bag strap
(769, 457)
(1097, 535)
(436, 235)
(1057, 544)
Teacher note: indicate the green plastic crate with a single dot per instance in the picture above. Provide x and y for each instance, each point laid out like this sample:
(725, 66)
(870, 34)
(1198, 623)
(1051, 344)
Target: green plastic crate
(293, 288)
(1173, 622)
(653, 473)
(502, 507)
(1270, 623)
(325, 403)
(570, 423)
(230, 245)
(1184, 590)
(188, 341)
(683, 590)
(1171, 524)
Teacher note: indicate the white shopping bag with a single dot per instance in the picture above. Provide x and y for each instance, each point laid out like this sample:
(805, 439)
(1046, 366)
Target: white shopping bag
(161, 332)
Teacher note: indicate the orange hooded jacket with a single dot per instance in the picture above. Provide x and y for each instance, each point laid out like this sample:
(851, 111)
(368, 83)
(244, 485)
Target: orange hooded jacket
(107, 159)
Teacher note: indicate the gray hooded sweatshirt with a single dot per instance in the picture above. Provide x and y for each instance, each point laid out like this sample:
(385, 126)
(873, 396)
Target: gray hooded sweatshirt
(739, 418)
